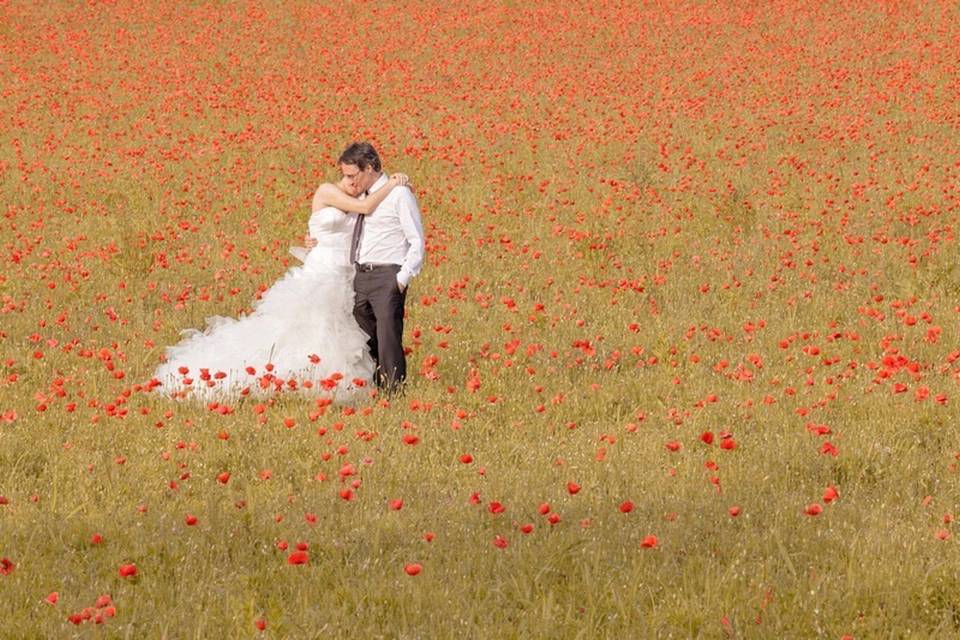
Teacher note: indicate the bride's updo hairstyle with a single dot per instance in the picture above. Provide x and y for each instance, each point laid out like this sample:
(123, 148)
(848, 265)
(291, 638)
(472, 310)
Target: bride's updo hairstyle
(361, 154)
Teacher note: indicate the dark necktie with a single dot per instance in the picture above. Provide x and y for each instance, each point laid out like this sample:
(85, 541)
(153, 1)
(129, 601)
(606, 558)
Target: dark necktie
(357, 233)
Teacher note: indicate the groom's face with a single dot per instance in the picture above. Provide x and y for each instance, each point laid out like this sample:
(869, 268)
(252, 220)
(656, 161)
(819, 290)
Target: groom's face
(360, 179)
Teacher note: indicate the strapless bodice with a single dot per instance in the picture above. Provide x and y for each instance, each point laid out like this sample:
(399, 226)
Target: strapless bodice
(331, 228)
(333, 231)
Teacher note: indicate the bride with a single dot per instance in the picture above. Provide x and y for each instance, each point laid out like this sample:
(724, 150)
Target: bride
(301, 335)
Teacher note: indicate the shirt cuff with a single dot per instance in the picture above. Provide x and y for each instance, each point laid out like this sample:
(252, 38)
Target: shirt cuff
(403, 278)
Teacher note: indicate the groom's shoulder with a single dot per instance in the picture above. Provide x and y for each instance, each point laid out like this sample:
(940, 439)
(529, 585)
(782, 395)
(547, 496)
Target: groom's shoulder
(403, 194)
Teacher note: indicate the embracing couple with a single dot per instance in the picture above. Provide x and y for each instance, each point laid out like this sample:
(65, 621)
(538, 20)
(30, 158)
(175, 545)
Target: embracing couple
(333, 324)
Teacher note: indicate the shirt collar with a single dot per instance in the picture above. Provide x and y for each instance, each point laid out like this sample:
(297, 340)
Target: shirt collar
(382, 180)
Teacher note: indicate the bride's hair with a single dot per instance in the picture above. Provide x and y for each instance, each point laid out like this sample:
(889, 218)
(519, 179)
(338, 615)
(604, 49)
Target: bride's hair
(361, 154)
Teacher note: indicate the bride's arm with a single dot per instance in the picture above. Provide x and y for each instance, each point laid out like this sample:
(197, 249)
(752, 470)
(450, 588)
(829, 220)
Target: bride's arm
(330, 195)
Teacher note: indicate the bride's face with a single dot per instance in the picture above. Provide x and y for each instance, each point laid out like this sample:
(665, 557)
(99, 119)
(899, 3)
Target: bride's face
(346, 185)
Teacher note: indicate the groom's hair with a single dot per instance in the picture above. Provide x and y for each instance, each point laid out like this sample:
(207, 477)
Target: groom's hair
(361, 154)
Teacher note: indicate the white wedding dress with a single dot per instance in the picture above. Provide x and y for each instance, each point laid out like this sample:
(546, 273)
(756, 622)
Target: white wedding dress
(301, 335)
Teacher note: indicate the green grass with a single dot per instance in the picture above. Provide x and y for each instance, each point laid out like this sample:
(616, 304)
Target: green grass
(633, 239)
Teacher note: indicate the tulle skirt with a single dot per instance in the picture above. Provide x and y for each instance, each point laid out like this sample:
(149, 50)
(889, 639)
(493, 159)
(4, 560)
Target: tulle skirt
(301, 337)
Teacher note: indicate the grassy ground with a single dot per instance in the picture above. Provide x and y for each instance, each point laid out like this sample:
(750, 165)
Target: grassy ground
(683, 352)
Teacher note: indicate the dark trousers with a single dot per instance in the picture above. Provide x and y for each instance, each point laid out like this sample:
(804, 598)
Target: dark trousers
(378, 308)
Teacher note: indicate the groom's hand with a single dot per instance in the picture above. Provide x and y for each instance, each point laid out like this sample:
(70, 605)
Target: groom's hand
(309, 242)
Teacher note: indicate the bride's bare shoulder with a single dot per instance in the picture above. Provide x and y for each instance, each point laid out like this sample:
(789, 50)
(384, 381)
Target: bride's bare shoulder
(327, 188)
(321, 197)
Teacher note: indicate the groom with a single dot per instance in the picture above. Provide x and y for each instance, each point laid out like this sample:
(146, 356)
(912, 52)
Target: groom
(388, 252)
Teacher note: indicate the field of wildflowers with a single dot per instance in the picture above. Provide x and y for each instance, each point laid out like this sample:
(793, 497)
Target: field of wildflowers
(684, 354)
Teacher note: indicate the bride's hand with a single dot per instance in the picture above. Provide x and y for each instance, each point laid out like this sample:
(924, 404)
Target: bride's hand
(309, 242)
(401, 180)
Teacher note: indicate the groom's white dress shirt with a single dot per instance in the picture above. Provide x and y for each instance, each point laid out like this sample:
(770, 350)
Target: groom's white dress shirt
(393, 233)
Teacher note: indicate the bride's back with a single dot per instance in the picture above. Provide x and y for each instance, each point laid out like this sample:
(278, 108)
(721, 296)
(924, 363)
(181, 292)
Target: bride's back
(333, 231)
(331, 227)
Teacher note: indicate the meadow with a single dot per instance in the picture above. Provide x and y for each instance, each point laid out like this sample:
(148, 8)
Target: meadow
(683, 354)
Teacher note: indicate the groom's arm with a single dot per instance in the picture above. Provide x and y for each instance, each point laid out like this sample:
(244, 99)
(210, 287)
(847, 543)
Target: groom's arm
(409, 214)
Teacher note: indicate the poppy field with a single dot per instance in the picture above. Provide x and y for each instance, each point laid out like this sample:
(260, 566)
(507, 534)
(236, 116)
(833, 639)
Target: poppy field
(684, 356)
